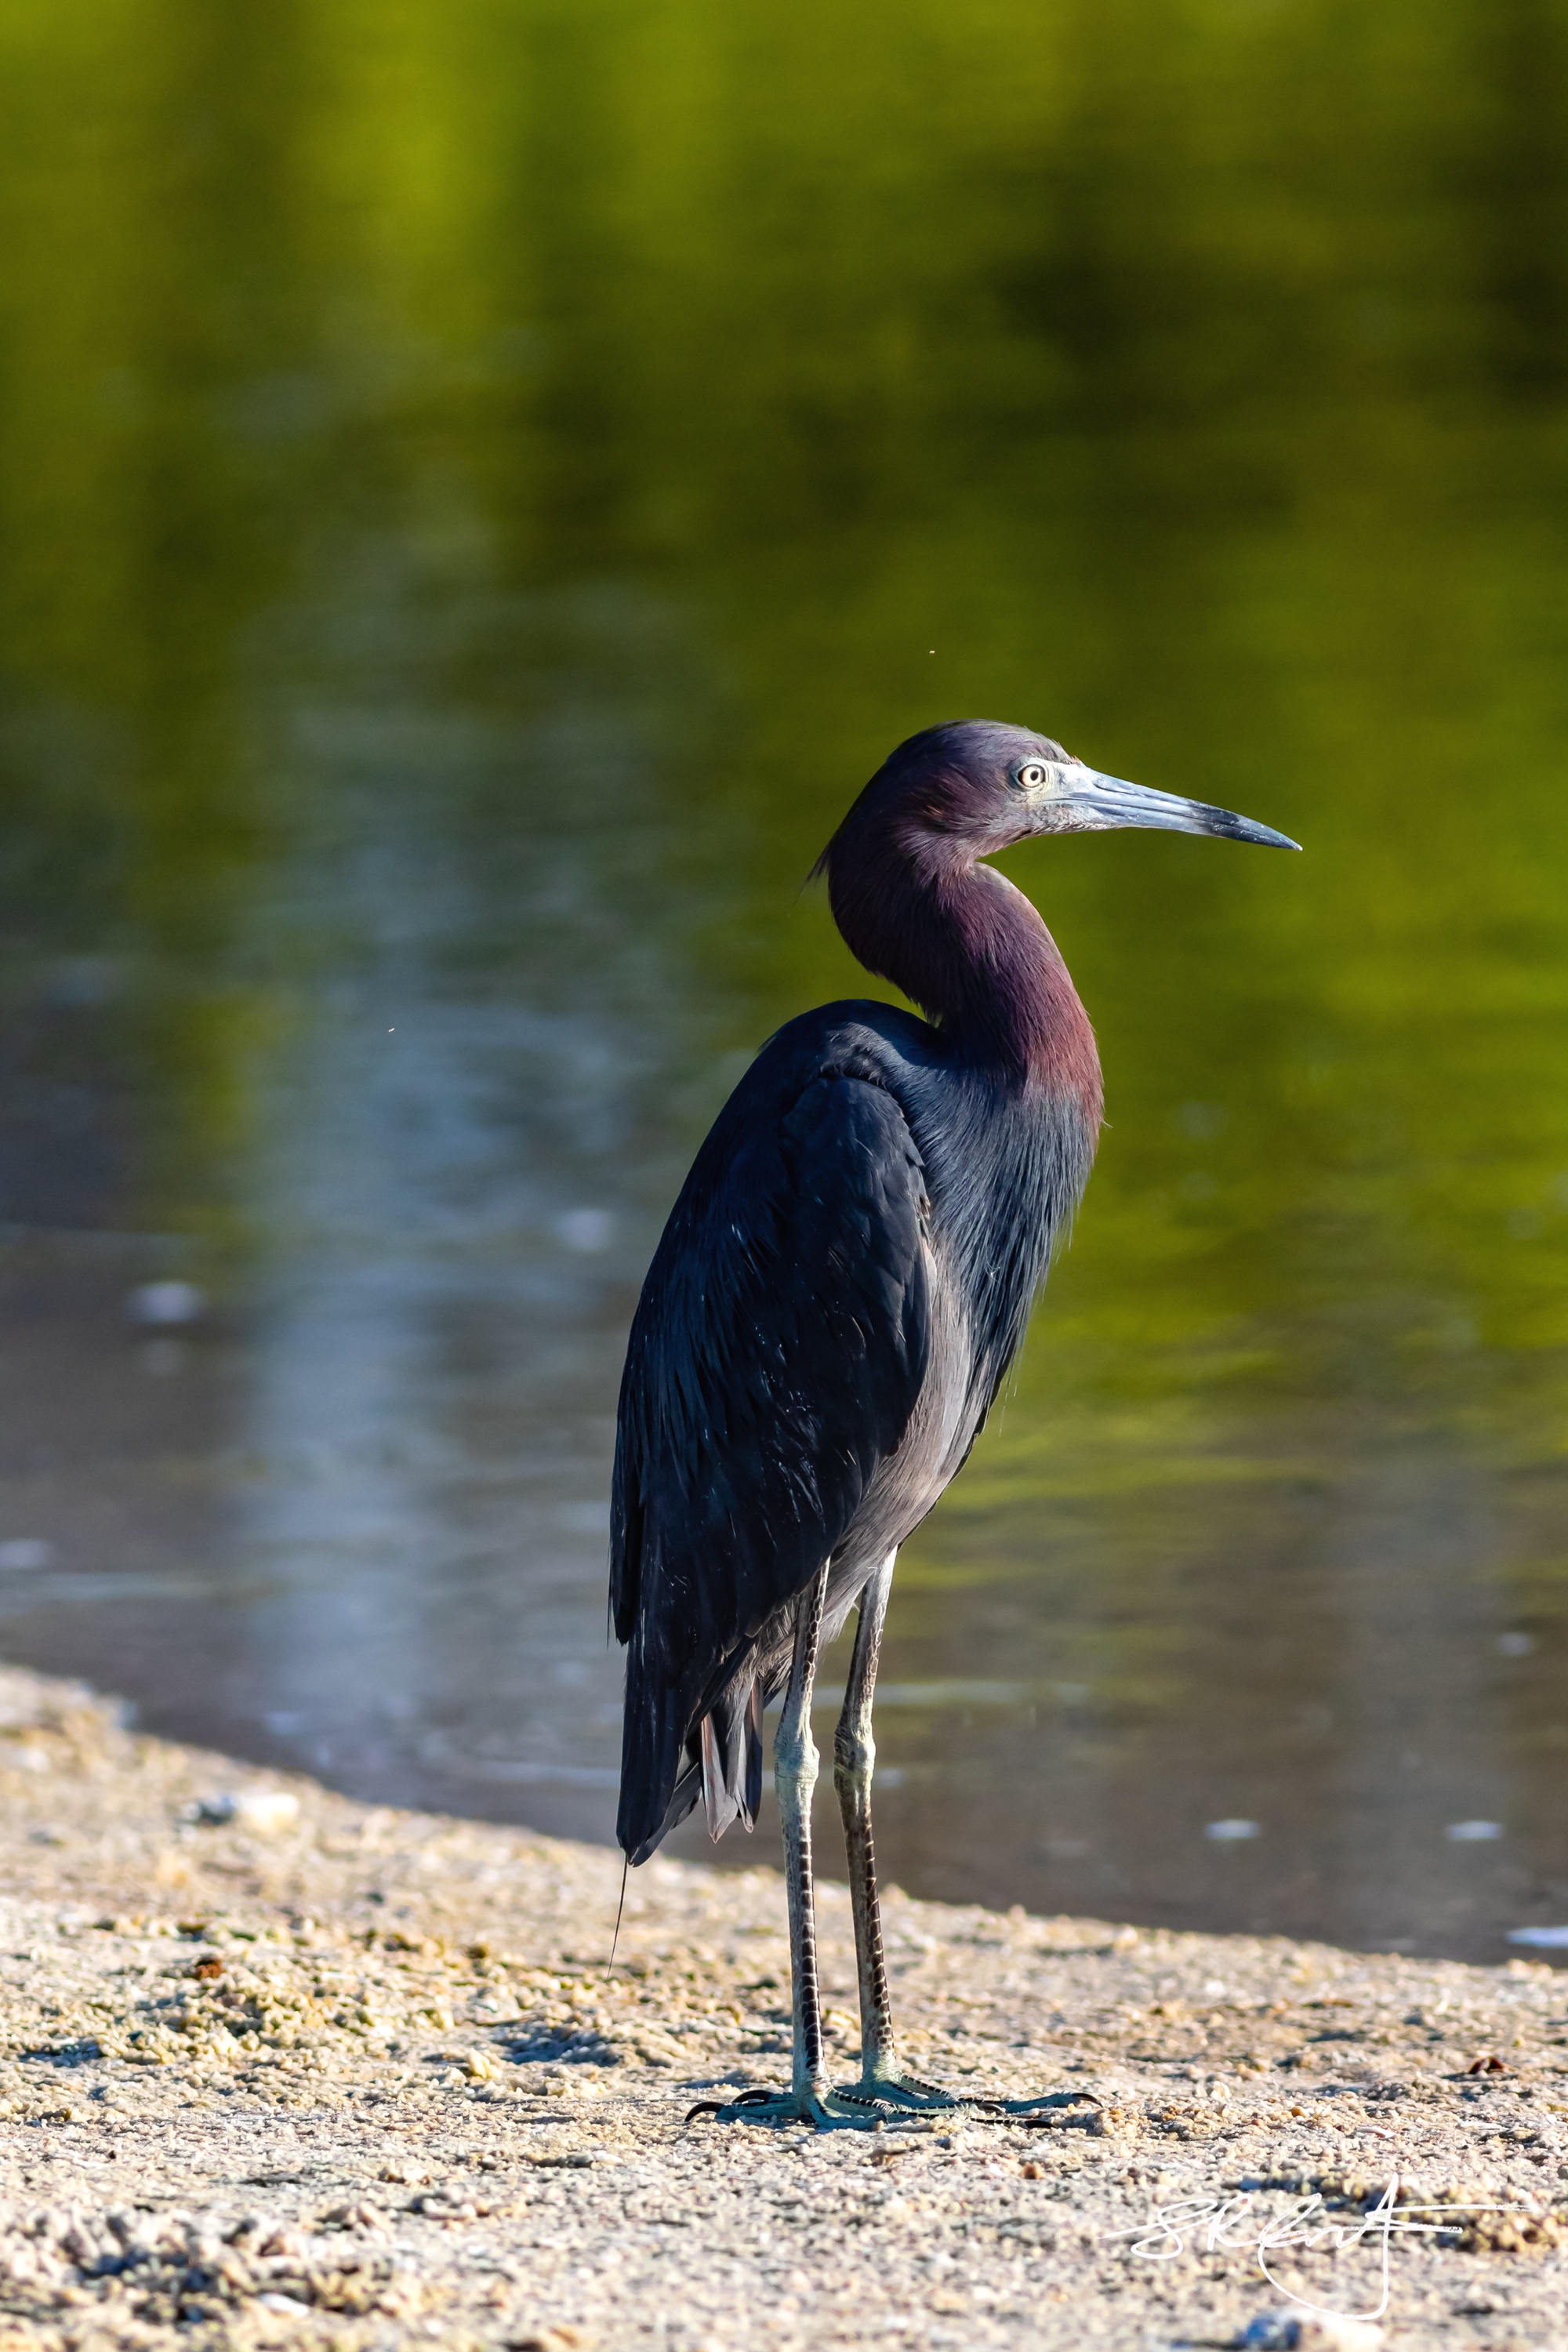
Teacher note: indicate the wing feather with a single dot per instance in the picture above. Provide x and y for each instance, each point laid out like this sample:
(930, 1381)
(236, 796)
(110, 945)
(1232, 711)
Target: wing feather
(779, 1347)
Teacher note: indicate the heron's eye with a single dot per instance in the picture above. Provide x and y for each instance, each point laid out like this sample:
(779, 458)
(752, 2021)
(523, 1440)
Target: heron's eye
(1032, 776)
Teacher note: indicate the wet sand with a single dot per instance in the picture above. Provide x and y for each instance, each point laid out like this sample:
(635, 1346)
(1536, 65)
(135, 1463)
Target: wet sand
(282, 2069)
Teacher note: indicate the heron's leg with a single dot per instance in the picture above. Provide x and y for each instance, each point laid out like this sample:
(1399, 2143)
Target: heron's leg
(794, 1779)
(883, 2083)
(853, 1761)
(808, 2098)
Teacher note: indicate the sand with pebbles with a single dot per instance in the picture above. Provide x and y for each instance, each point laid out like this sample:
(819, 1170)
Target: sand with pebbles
(278, 2069)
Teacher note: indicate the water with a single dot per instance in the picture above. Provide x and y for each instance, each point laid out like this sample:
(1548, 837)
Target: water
(478, 492)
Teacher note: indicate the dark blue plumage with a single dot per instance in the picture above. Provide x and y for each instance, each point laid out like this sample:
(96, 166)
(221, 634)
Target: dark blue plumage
(862, 1188)
(837, 1297)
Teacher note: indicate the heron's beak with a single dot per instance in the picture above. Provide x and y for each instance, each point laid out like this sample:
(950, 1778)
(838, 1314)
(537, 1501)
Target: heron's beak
(1076, 799)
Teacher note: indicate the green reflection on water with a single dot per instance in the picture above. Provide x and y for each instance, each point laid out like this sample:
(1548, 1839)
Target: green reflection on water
(1187, 379)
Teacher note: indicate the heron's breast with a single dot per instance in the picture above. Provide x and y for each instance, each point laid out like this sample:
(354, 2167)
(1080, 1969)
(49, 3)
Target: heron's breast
(937, 1435)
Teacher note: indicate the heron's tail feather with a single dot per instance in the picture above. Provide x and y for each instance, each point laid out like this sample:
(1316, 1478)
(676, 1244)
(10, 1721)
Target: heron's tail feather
(661, 1772)
(683, 1798)
(732, 1747)
(719, 1761)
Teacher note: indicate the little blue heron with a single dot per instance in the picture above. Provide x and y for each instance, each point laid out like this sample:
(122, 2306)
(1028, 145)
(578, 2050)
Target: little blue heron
(841, 1287)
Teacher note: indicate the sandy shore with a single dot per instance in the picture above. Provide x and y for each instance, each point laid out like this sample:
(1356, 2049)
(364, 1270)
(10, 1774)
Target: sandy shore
(321, 2075)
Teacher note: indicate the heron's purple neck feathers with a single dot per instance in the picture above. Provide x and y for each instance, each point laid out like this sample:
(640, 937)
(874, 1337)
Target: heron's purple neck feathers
(915, 907)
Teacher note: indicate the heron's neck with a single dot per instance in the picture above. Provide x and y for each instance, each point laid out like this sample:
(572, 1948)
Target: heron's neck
(973, 953)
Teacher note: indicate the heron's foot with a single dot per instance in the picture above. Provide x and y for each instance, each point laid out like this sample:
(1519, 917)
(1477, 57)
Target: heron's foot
(1046, 2106)
(910, 2094)
(823, 2110)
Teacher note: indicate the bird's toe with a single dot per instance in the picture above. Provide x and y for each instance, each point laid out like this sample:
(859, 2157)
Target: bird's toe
(823, 2110)
(1046, 2107)
(908, 2091)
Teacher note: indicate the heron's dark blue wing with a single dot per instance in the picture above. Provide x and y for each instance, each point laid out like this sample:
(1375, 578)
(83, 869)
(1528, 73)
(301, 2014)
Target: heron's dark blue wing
(779, 1347)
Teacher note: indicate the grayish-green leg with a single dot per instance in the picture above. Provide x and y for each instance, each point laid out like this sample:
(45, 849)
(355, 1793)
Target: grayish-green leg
(883, 2083)
(794, 1779)
(808, 2098)
(853, 1761)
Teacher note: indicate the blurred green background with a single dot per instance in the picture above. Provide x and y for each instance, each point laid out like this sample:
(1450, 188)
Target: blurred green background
(481, 486)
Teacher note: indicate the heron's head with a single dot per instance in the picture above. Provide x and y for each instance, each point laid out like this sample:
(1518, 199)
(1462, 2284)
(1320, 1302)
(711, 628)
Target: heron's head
(978, 787)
